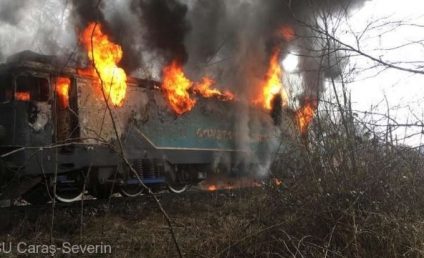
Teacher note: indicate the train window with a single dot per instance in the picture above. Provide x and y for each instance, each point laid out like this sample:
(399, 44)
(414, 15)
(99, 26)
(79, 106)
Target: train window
(62, 88)
(32, 88)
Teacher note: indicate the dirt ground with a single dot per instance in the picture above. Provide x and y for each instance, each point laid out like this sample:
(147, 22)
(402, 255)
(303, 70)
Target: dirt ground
(136, 227)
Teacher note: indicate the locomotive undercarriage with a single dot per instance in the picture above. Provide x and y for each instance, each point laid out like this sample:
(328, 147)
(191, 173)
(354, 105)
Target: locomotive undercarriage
(74, 175)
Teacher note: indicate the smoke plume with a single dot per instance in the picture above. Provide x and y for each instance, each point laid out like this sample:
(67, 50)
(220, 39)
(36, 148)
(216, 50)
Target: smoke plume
(166, 27)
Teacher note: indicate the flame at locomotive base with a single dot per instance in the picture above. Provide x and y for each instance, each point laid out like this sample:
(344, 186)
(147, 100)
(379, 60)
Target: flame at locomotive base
(228, 183)
(216, 183)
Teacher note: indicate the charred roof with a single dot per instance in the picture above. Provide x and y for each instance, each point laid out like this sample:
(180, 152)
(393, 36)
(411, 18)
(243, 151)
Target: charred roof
(31, 56)
(49, 63)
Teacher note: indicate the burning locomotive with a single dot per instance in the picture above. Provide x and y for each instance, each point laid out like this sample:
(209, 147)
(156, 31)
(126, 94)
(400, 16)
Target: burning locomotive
(58, 138)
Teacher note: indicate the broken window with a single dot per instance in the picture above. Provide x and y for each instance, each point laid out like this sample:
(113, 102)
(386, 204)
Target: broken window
(66, 121)
(62, 87)
(32, 88)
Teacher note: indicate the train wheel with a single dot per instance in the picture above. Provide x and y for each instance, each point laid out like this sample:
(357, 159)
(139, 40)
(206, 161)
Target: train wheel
(38, 195)
(70, 188)
(178, 181)
(175, 188)
(131, 185)
(131, 190)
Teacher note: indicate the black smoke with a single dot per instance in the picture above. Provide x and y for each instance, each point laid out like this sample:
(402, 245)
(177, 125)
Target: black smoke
(209, 31)
(128, 37)
(166, 27)
(87, 11)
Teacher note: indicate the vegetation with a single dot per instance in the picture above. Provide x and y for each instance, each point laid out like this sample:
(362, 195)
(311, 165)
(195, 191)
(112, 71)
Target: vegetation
(330, 204)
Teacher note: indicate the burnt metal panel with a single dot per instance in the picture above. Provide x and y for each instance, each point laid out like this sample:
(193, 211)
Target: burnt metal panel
(50, 160)
(211, 126)
(94, 118)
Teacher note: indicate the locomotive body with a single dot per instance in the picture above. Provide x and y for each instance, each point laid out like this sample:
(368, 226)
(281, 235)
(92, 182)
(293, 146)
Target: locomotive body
(77, 147)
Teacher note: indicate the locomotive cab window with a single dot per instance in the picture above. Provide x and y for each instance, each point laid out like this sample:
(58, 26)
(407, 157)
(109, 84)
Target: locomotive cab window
(32, 88)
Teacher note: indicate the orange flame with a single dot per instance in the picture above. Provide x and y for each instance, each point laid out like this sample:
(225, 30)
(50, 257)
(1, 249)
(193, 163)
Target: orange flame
(212, 188)
(204, 89)
(272, 85)
(176, 88)
(105, 56)
(305, 114)
(22, 96)
(228, 183)
(62, 91)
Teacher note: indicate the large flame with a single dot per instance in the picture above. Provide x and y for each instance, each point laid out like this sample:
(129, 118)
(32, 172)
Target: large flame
(62, 91)
(105, 56)
(305, 114)
(177, 88)
(272, 85)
